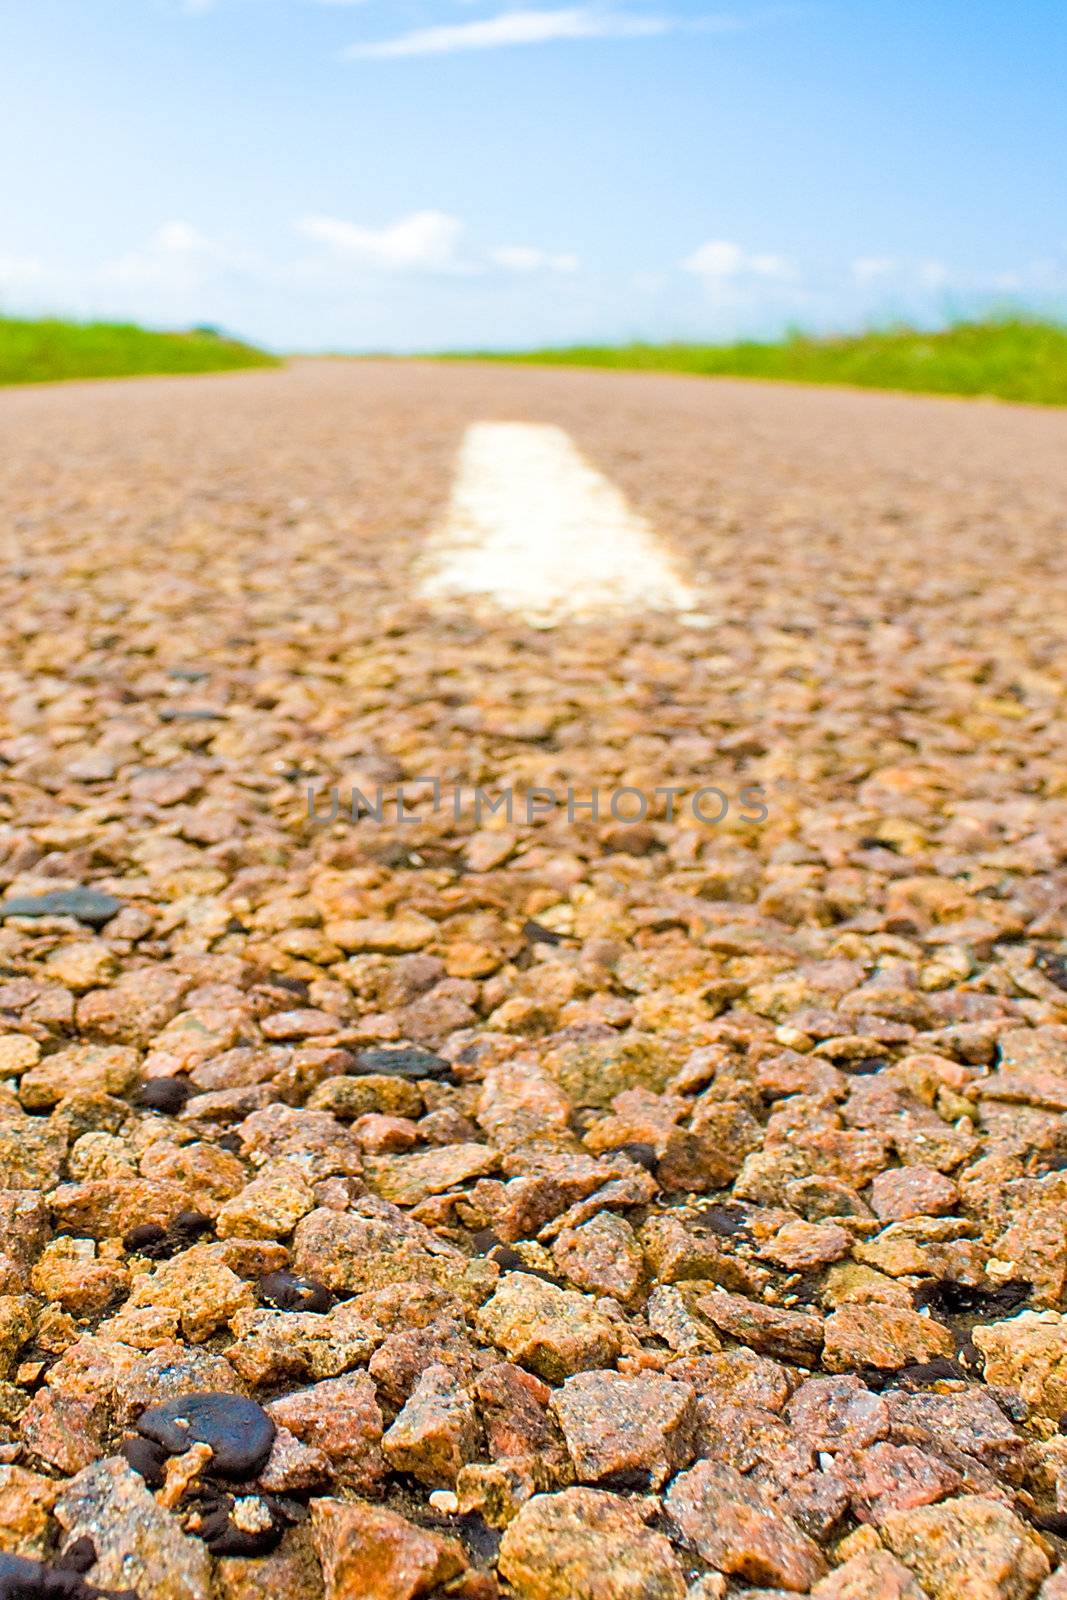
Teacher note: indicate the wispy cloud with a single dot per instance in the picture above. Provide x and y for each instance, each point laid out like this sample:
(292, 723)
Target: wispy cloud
(516, 28)
(868, 269)
(721, 261)
(524, 258)
(20, 272)
(177, 258)
(423, 241)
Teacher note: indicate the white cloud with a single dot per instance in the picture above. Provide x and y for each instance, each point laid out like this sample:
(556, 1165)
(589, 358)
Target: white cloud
(423, 241)
(721, 261)
(177, 257)
(514, 28)
(524, 258)
(934, 275)
(865, 269)
(20, 272)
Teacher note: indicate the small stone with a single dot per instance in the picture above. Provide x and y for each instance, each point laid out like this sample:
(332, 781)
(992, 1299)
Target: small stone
(198, 1286)
(437, 1431)
(381, 1135)
(305, 1024)
(869, 1575)
(168, 1095)
(795, 1336)
(81, 1068)
(341, 1418)
(91, 906)
(882, 1336)
(589, 1543)
(180, 1473)
(387, 935)
(916, 1191)
(376, 1093)
(69, 1273)
(18, 1052)
(65, 1430)
(513, 1409)
(553, 1331)
(807, 1246)
(372, 1245)
(495, 1491)
(972, 1423)
(1028, 1353)
(269, 1207)
(286, 1292)
(16, 1327)
(406, 1180)
(735, 1527)
(293, 1465)
(31, 1153)
(291, 1571)
(138, 1545)
(893, 1477)
(598, 1064)
(835, 1414)
(26, 1499)
(602, 1256)
(369, 1553)
(967, 1549)
(81, 966)
(626, 1433)
(239, 1431)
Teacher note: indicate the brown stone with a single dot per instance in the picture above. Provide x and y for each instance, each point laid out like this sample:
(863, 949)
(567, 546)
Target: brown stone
(589, 1543)
(369, 1553)
(292, 1571)
(602, 1256)
(732, 1525)
(1028, 1353)
(882, 1336)
(26, 1500)
(341, 1418)
(553, 1331)
(437, 1431)
(870, 1575)
(914, 1191)
(626, 1432)
(137, 1544)
(967, 1549)
(795, 1336)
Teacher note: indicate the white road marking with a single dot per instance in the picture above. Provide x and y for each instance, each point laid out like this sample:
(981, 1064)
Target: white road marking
(532, 526)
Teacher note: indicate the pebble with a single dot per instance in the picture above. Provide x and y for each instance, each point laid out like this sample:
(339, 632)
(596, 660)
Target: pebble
(238, 1430)
(90, 906)
(413, 1064)
(286, 1292)
(169, 1095)
(22, 1578)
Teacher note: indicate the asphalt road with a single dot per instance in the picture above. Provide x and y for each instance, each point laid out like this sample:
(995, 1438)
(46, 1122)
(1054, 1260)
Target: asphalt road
(826, 973)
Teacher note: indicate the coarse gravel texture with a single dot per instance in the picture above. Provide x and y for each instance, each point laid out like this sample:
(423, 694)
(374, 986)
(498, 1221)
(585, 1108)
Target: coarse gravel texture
(701, 1232)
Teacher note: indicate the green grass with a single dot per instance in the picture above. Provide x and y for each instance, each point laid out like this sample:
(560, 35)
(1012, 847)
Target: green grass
(1012, 357)
(46, 350)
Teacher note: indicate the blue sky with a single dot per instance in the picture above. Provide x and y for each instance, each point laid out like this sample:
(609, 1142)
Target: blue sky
(410, 174)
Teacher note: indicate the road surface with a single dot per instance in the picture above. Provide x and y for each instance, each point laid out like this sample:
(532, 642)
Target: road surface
(730, 1170)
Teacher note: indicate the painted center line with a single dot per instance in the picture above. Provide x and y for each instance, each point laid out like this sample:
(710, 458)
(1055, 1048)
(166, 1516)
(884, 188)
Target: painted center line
(532, 526)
